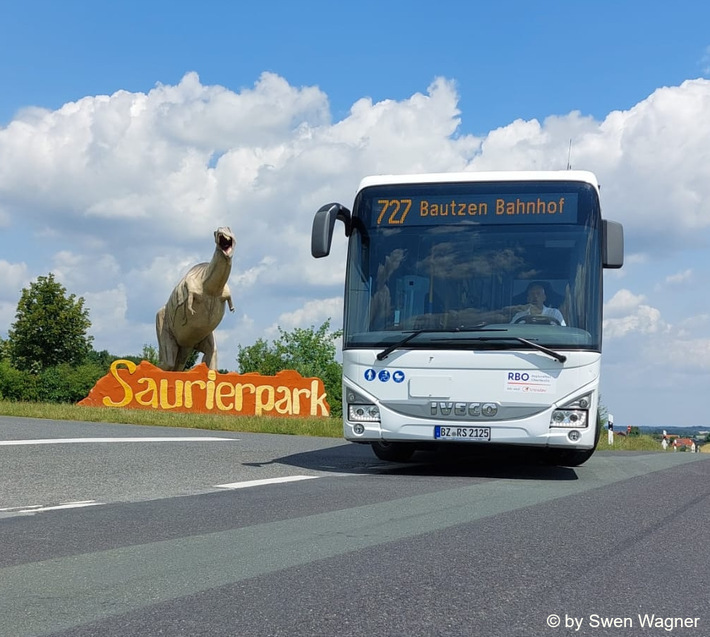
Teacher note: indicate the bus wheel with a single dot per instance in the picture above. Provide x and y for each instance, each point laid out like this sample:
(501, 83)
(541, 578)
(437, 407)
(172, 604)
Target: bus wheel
(393, 451)
(567, 458)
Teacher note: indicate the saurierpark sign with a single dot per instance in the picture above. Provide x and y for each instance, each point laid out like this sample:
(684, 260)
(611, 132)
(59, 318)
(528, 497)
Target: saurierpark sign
(203, 390)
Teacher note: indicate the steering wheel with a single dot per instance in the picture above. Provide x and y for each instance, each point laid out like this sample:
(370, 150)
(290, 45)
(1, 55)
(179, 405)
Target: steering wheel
(538, 319)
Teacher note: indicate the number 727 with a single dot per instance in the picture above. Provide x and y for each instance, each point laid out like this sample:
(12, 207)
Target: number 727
(398, 209)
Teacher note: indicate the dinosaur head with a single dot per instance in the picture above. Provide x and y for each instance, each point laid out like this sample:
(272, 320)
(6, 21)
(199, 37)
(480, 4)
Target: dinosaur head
(225, 241)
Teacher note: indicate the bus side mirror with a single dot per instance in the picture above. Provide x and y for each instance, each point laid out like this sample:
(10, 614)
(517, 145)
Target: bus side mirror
(323, 224)
(613, 248)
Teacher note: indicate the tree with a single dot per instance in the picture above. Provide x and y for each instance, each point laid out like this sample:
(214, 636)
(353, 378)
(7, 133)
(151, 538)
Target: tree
(102, 359)
(50, 327)
(259, 357)
(150, 354)
(310, 352)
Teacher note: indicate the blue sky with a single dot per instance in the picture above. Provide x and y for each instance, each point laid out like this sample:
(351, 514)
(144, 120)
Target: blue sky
(129, 131)
(511, 59)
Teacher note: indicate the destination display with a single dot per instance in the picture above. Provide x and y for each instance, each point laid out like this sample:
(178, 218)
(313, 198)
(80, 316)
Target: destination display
(480, 209)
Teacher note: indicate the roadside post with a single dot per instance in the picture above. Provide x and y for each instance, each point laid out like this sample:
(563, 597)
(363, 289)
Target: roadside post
(610, 427)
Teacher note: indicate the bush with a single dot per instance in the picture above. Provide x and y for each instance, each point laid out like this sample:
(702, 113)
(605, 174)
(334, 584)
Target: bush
(310, 352)
(16, 384)
(59, 384)
(68, 384)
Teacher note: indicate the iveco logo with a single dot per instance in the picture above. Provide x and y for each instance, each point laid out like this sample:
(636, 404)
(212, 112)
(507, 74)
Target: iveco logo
(439, 408)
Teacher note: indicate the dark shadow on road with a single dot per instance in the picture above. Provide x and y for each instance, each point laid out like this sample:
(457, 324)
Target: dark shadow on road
(444, 461)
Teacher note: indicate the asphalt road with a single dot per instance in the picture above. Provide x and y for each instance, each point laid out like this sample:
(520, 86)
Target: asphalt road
(110, 530)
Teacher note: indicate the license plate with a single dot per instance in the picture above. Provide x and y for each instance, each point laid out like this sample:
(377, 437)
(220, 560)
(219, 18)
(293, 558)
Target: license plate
(442, 432)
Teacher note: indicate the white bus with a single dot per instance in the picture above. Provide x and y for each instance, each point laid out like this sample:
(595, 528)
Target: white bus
(473, 310)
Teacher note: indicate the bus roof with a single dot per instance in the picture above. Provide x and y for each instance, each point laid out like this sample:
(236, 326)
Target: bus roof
(503, 175)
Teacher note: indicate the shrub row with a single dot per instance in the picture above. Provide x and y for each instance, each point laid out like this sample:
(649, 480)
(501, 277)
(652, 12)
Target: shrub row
(60, 384)
(67, 383)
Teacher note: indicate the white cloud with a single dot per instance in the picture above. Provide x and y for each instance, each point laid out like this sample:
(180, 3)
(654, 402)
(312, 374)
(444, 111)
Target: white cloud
(649, 160)
(250, 277)
(107, 309)
(13, 277)
(694, 325)
(679, 278)
(313, 313)
(685, 354)
(638, 258)
(644, 320)
(623, 302)
(120, 194)
(82, 271)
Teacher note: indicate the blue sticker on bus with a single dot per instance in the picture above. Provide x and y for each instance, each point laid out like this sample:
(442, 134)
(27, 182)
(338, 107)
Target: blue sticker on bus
(398, 376)
(384, 375)
(370, 374)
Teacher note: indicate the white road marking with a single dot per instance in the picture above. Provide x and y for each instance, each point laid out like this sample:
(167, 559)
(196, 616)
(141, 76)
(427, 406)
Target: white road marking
(21, 509)
(258, 483)
(58, 441)
(38, 508)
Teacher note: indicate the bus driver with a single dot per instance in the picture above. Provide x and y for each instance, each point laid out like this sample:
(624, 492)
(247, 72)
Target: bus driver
(536, 296)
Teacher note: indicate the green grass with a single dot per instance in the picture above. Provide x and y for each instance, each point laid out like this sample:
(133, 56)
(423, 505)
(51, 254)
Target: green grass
(630, 443)
(325, 427)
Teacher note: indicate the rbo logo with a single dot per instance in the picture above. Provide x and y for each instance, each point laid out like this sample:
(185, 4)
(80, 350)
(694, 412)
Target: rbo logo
(518, 376)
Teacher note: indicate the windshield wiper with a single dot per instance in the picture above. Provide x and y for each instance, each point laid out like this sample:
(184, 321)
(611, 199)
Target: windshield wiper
(550, 352)
(403, 341)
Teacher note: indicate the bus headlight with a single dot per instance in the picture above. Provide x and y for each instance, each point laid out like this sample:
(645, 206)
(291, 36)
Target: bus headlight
(568, 418)
(363, 413)
(572, 414)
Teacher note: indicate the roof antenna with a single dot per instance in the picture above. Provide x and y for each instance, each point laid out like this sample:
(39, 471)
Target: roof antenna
(569, 154)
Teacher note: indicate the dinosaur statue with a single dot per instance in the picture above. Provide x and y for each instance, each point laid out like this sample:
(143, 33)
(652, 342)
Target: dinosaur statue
(195, 308)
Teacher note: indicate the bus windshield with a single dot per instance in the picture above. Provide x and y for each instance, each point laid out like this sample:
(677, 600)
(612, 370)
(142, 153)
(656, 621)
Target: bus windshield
(471, 264)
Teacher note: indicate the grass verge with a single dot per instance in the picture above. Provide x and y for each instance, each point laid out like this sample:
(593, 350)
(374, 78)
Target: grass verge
(325, 427)
(629, 443)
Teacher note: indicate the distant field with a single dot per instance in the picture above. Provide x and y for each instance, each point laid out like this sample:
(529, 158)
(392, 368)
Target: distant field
(637, 443)
(325, 427)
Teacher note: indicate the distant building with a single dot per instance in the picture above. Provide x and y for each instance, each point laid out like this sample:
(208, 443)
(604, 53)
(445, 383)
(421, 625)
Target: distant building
(688, 443)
